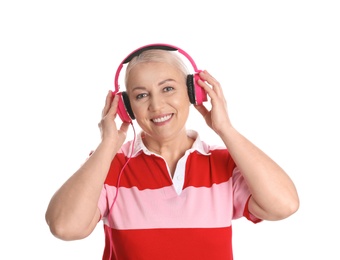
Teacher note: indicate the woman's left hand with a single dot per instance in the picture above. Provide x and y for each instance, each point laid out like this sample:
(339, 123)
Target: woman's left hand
(217, 118)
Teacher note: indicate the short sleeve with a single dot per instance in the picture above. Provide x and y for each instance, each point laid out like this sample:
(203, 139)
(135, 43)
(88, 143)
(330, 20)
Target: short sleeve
(241, 196)
(102, 203)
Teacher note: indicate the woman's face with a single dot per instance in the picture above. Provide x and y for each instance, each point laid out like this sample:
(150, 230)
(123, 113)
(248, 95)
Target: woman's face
(159, 99)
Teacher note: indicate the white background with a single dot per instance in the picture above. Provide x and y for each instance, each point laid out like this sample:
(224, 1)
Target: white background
(279, 65)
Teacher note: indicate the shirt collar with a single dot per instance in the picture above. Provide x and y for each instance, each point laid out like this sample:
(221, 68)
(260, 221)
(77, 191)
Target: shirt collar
(198, 144)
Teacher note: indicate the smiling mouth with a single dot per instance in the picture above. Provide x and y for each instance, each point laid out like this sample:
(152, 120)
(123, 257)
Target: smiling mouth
(162, 119)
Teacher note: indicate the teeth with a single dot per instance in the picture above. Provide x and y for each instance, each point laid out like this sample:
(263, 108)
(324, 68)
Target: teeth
(161, 119)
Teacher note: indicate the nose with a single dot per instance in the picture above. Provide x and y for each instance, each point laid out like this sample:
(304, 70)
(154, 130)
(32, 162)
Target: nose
(156, 103)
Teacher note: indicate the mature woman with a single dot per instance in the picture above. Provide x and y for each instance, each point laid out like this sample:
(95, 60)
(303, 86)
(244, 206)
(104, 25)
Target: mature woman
(167, 194)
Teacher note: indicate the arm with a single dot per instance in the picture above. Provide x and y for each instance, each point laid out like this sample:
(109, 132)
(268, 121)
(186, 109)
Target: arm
(72, 212)
(274, 195)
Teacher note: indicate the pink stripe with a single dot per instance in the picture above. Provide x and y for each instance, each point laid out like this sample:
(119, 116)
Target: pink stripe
(162, 208)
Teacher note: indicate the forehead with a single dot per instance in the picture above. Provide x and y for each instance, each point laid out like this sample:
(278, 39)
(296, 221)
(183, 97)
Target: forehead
(149, 73)
(154, 69)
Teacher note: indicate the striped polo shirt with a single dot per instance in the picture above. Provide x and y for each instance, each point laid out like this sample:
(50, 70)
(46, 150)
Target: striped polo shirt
(188, 216)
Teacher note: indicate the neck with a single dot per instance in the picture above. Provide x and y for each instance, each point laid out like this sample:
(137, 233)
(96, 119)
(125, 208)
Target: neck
(179, 143)
(171, 150)
(175, 146)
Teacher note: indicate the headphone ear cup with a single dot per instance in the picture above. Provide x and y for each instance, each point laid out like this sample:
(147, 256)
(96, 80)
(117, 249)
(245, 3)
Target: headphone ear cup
(124, 108)
(200, 94)
(197, 94)
(127, 105)
(191, 88)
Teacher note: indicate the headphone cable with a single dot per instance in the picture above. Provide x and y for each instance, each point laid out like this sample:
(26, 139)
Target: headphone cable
(117, 188)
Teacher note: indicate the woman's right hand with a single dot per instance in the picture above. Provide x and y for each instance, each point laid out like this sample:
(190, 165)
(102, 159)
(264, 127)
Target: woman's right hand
(107, 125)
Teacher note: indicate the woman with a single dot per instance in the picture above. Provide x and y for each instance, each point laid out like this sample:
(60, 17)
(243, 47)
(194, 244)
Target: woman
(167, 194)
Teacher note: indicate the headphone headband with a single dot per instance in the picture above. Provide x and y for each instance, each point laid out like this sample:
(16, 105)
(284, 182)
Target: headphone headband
(158, 46)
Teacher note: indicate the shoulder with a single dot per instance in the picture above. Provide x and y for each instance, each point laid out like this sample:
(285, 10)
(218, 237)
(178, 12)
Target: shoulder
(204, 147)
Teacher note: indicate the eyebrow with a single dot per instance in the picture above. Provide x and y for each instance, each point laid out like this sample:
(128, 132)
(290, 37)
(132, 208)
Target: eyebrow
(159, 84)
(137, 88)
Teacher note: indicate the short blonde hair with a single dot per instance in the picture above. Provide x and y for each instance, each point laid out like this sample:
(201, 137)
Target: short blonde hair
(156, 55)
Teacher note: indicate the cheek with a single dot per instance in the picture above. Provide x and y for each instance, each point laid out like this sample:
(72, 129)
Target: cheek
(182, 105)
(182, 101)
(137, 106)
(141, 112)
(138, 110)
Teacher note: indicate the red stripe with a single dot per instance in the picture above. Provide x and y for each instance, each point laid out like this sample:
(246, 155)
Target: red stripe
(150, 171)
(204, 171)
(143, 172)
(195, 243)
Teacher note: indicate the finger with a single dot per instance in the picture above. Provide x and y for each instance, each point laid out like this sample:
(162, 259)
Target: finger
(202, 110)
(113, 107)
(124, 127)
(207, 76)
(207, 87)
(108, 102)
(216, 86)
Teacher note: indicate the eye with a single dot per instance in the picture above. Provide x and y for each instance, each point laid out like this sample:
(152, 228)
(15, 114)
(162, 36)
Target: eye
(167, 89)
(142, 95)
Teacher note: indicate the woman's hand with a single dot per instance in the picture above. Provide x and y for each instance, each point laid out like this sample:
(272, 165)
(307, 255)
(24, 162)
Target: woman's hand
(107, 125)
(73, 211)
(217, 118)
(274, 195)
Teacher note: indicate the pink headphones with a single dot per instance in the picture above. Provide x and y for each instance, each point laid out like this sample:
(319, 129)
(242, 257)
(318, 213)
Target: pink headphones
(197, 95)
